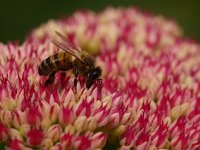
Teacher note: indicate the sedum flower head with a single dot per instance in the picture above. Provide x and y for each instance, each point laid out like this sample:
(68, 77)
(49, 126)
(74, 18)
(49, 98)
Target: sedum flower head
(148, 97)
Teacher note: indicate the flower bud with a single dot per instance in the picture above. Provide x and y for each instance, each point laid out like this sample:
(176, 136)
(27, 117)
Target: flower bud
(81, 123)
(47, 143)
(54, 132)
(98, 140)
(35, 137)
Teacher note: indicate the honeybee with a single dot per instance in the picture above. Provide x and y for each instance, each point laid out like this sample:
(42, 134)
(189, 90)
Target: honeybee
(71, 59)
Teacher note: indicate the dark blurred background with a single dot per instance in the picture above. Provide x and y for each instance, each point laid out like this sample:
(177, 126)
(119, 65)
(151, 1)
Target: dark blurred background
(18, 17)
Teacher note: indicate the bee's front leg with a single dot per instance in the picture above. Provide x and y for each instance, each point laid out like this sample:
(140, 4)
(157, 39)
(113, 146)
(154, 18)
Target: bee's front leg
(75, 71)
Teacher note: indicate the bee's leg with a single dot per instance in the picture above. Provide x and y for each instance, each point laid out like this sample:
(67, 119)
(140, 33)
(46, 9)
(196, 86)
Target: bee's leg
(63, 74)
(76, 76)
(50, 79)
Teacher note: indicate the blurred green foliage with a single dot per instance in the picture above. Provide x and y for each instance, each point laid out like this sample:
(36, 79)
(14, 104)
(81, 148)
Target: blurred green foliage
(19, 17)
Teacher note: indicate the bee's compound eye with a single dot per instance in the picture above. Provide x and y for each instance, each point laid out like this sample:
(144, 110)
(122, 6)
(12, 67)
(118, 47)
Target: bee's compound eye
(95, 74)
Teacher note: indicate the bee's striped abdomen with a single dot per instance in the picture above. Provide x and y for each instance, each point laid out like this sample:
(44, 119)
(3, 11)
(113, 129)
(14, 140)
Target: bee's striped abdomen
(59, 61)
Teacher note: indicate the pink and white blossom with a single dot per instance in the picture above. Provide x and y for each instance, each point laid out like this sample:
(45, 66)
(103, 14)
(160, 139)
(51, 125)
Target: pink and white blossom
(148, 97)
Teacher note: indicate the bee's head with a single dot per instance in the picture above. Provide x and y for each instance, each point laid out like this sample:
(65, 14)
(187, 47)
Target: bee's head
(93, 75)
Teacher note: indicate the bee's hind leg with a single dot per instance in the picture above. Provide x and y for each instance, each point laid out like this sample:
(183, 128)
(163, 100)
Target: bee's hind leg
(50, 79)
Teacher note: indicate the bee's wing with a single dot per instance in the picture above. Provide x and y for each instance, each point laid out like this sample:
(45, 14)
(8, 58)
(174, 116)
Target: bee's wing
(63, 38)
(65, 45)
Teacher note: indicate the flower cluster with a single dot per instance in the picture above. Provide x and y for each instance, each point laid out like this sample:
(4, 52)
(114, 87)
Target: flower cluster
(148, 97)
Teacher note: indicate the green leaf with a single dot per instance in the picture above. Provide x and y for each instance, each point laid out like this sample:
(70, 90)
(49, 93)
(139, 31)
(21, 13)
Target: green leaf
(2, 145)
